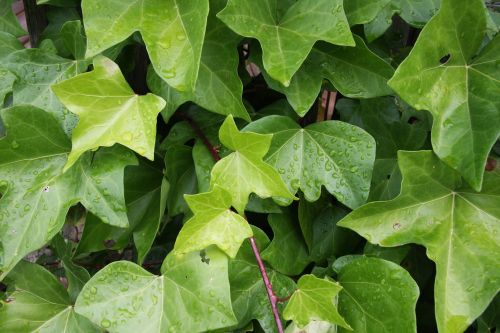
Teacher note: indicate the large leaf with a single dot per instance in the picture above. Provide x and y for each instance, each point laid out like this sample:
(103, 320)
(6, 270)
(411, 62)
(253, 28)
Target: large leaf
(8, 21)
(243, 171)
(330, 153)
(314, 300)
(356, 72)
(218, 87)
(213, 223)
(37, 195)
(287, 30)
(459, 228)
(190, 296)
(377, 296)
(40, 304)
(248, 292)
(109, 111)
(173, 32)
(461, 91)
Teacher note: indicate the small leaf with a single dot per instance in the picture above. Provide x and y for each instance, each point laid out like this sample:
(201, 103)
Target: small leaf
(287, 35)
(314, 300)
(173, 32)
(109, 111)
(459, 228)
(243, 171)
(213, 223)
(190, 296)
(377, 296)
(462, 93)
(330, 153)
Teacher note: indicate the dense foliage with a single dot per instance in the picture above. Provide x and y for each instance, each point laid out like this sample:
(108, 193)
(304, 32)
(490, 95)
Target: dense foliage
(251, 166)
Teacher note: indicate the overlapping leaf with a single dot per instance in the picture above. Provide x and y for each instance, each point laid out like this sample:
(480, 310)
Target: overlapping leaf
(40, 304)
(443, 75)
(287, 30)
(330, 153)
(109, 111)
(243, 171)
(8, 21)
(218, 87)
(213, 223)
(458, 226)
(314, 300)
(37, 195)
(190, 296)
(173, 32)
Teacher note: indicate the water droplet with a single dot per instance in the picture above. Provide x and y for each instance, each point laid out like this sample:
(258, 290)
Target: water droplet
(14, 144)
(27, 208)
(396, 226)
(168, 73)
(46, 189)
(127, 136)
(105, 323)
(93, 290)
(354, 169)
(181, 37)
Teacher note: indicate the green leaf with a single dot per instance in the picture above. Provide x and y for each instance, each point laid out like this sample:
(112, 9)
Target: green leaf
(40, 304)
(7, 80)
(377, 296)
(73, 36)
(122, 116)
(213, 223)
(287, 252)
(8, 44)
(287, 30)
(190, 296)
(218, 88)
(361, 11)
(459, 228)
(461, 92)
(8, 21)
(356, 72)
(314, 300)
(248, 292)
(173, 32)
(36, 70)
(330, 153)
(243, 171)
(38, 195)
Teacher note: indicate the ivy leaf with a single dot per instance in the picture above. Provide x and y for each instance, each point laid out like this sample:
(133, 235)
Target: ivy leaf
(7, 80)
(37, 195)
(8, 44)
(441, 76)
(218, 88)
(356, 72)
(190, 296)
(377, 296)
(173, 32)
(110, 112)
(287, 30)
(248, 292)
(40, 304)
(8, 21)
(330, 153)
(287, 252)
(213, 223)
(459, 228)
(36, 70)
(314, 300)
(361, 12)
(243, 171)
(73, 37)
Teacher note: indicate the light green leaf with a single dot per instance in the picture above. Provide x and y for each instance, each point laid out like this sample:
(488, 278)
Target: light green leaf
(8, 44)
(314, 300)
(109, 111)
(7, 80)
(213, 223)
(248, 292)
(377, 296)
(190, 296)
(459, 228)
(40, 304)
(218, 88)
(287, 30)
(356, 72)
(172, 30)
(287, 253)
(330, 153)
(8, 21)
(461, 93)
(37, 195)
(362, 11)
(243, 171)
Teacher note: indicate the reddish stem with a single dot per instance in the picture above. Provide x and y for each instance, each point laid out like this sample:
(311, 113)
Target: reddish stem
(269, 288)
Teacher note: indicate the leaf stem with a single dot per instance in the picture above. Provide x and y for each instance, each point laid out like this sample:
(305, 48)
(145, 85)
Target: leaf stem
(273, 299)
